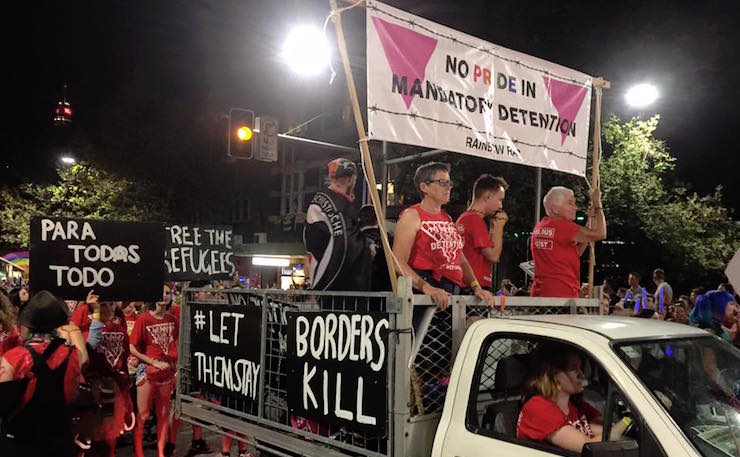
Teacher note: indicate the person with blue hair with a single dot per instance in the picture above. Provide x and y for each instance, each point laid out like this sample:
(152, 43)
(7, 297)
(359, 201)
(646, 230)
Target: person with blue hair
(717, 311)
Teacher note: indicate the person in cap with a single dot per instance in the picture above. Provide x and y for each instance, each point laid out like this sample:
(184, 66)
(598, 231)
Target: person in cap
(340, 256)
(45, 373)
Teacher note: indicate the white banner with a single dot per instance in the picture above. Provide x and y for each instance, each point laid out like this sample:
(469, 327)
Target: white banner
(429, 85)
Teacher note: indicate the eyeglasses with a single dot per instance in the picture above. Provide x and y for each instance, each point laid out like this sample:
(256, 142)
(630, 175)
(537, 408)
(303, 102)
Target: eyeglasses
(442, 182)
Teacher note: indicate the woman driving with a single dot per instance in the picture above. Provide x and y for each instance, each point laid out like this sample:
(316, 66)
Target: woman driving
(553, 412)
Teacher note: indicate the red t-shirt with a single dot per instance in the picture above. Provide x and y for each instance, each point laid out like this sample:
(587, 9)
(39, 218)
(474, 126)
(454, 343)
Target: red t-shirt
(130, 321)
(9, 338)
(22, 362)
(473, 229)
(557, 264)
(114, 345)
(437, 246)
(81, 318)
(157, 338)
(133, 362)
(175, 311)
(540, 417)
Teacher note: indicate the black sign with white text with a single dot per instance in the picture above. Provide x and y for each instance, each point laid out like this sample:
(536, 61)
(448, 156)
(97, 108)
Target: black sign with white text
(225, 349)
(118, 260)
(199, 252)
(337, 368)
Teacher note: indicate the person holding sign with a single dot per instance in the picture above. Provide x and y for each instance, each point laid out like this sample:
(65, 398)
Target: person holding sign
(483, 246)
(340, 257)
(427, 244)
(38, 381)
(557, 243)
(154, 343)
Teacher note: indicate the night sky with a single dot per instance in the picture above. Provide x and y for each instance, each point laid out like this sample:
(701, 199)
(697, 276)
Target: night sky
(210, 56)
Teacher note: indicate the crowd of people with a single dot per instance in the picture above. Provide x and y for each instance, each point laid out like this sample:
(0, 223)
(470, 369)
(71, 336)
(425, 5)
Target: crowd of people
(93, 370)
(444, 257)
(89, 371)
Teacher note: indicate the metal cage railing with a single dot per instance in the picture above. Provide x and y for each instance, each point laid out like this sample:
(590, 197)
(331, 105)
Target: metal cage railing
(423, 341)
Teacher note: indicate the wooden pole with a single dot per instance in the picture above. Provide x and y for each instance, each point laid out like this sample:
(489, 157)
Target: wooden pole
(364, 149)
(599, 84)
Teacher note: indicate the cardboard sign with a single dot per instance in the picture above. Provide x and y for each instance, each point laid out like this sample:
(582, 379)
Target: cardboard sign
(196, 252)
(118, 260)
(225, 349)
(337, 368)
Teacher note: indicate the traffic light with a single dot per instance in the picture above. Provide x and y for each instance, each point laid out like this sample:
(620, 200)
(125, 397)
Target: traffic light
(241, 133)
(581, 218)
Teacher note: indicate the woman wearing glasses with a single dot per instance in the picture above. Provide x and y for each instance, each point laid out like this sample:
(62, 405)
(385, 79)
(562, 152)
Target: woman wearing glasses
(428, 246)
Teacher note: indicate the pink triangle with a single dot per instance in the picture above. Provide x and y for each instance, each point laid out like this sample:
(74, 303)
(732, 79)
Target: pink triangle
(567, 99)
(408, 52)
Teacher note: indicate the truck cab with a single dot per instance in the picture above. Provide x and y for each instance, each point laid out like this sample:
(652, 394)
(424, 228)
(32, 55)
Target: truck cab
(677, 385)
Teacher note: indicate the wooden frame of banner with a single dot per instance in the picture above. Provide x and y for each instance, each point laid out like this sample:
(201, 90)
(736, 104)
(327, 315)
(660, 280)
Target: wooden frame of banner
(364, 148)
(598, 84)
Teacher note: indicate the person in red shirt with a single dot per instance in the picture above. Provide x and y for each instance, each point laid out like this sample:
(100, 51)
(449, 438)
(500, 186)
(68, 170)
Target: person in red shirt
(10, 337)
(428, 246)
(46, 373)
(552, 410)
(154, 342)
(82, 315)
(557, 243)
(108, 362)
(483, 247)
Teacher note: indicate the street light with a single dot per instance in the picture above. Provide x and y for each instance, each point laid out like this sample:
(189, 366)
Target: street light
(306, 50)
(67, 160)
(641, 95)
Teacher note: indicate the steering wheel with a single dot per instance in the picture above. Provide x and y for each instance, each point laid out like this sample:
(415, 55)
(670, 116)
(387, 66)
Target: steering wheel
(731, 377)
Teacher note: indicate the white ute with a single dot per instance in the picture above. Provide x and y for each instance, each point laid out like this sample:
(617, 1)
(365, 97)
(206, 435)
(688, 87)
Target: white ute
(679, 384)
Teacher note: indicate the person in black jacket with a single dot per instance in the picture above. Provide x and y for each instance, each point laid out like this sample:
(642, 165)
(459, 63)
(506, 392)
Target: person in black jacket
(38, 382)
(340, 256)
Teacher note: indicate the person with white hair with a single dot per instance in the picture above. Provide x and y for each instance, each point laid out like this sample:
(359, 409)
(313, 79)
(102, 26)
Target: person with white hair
(557, 243)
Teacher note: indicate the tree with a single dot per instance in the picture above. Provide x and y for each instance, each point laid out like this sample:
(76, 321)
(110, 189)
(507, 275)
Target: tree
(82, 191)
(661, 223)
(693, 235)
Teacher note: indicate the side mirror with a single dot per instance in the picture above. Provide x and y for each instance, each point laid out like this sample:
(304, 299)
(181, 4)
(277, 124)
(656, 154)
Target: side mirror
(626, 448)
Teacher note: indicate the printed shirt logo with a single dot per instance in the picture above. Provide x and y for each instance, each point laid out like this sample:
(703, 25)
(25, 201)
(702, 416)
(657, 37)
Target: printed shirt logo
(162, 335)
(583, 426)
(567, 98)
(543, 238)
(407, 52)
(445, 236)
(112, 347)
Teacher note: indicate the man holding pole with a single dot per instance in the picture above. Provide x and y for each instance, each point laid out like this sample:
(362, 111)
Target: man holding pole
(557, 243)
(483, 246)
